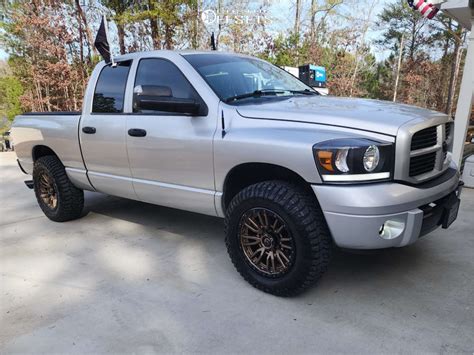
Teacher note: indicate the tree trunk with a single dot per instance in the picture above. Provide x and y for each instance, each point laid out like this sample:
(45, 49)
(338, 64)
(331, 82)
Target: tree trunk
(121, 38)
(219, 24)
(155, 30)
(297, 17)
(365, 28)
(314, 6)
(90, 44)
(397, 76)
(169, 37)
(413, 41)
(195, 24)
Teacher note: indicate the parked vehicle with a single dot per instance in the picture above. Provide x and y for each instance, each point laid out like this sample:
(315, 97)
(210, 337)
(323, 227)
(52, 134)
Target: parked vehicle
(292, 172)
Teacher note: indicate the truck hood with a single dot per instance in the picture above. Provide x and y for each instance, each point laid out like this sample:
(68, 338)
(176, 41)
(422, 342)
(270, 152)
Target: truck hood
(369, 115)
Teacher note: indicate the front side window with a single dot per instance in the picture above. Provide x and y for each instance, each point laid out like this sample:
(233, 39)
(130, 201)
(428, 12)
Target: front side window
(110, 88)
(161, 73)
(232, 76)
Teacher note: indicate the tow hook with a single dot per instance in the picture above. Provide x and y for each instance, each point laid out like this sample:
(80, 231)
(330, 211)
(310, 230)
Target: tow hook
(29, 184)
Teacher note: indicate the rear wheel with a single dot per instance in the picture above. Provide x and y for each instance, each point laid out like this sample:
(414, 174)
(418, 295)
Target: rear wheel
(59, 199)
(277, 237)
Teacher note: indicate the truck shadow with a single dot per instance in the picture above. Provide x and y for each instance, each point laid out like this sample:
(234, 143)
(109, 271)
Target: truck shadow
(347, 267)
(154, 216)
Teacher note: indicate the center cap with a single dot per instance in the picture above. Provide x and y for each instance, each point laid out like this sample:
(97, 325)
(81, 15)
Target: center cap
(267, 241)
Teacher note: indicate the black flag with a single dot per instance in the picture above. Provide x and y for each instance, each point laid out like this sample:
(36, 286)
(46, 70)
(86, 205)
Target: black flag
(101, 42)
(213, 42)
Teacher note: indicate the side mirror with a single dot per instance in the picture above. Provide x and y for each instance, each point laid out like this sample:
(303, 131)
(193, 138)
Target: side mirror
(160, 98)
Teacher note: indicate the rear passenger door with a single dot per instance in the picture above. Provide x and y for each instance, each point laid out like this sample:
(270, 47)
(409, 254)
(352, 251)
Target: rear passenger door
(172, 165)
(102, 132)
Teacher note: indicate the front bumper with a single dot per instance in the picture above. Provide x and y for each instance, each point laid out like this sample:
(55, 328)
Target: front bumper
(356, 213)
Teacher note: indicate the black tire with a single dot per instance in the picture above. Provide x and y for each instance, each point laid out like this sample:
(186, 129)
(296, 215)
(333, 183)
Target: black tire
(70, 199)
(304, 219)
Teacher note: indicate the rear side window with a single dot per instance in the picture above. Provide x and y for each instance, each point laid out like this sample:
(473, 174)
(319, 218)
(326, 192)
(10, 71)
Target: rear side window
(110, 89)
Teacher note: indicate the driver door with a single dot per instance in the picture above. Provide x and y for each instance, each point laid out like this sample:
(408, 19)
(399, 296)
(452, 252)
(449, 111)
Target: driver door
(170, 153)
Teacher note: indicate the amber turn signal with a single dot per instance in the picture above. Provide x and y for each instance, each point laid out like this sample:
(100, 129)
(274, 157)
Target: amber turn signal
(325, 159)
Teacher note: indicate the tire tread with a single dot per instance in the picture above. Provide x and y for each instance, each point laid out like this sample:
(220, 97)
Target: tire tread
(306, 212)
(70, 198)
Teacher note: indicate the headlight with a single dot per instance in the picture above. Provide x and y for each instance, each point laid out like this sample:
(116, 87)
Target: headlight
(354, 159)
(371, 158)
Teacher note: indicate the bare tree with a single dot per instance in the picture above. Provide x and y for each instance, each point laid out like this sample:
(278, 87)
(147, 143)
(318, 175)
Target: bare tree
(365, 27)
(399, 67)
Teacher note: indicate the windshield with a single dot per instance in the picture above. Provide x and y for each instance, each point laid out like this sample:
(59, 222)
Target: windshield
(233, 77)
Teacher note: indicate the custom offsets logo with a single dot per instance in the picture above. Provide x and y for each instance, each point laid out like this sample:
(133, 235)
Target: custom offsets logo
(212, 17)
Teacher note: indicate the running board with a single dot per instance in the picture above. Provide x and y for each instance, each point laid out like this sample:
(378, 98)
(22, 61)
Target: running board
(29, 184)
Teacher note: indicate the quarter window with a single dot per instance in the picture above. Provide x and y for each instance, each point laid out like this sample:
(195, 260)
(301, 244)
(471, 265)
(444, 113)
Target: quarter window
(110, 89)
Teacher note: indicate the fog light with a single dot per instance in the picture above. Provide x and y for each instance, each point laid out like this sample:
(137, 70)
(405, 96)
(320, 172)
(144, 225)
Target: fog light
(391, 229)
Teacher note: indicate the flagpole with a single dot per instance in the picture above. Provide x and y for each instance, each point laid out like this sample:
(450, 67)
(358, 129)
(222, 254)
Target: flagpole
(106, 25)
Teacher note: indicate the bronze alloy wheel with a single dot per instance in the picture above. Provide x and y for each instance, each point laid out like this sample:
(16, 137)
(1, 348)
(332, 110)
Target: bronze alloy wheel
(266, 242)
(48, 191)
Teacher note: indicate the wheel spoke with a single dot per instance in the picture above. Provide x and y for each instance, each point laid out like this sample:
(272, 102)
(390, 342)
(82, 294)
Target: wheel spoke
(253, 222)
(262, 251)
(270, 260)
(280, 229)
(266, 241)
(251, 228)
(265, 217)
(261, 219)
(47, 191)
(274, 224)
(280, 254)
(284, 246)
(251, 237)
(279, 258)
(255, 242)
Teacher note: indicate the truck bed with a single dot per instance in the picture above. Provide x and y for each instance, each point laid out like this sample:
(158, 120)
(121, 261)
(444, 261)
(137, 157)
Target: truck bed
(56, 130)
(56, 113)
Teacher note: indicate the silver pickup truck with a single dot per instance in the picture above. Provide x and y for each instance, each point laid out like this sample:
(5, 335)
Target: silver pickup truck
(293, 173)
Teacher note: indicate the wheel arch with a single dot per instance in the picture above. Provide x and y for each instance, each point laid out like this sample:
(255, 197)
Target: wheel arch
(246, 174)
(40, 150)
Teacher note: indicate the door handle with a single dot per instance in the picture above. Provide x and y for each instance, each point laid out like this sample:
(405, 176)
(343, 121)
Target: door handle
(136, 132)
(88, 130)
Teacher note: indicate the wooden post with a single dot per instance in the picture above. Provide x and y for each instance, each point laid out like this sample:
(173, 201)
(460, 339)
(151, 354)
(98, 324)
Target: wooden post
(465, 101)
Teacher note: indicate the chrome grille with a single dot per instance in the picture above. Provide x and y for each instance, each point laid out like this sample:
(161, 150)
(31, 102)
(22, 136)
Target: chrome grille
(425, 138)
(422, 164)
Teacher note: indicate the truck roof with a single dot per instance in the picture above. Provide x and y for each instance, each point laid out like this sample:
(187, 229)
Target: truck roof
(136, 55)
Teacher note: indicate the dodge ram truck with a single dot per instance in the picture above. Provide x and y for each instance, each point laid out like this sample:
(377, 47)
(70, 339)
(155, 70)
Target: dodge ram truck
(294, 174)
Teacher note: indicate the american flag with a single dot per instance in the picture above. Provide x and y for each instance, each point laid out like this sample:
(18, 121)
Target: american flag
(426, 8)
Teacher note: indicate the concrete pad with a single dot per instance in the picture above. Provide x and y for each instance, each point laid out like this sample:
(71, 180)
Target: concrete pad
(133, 277)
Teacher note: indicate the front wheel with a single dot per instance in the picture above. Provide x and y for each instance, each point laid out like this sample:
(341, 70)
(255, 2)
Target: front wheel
(277, 237)
(59, 199)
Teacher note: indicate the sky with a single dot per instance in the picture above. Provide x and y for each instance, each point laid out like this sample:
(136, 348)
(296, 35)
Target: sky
(282, 17)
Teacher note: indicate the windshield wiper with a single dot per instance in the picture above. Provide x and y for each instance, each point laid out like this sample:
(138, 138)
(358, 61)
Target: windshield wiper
(256, 93)
(304, 92)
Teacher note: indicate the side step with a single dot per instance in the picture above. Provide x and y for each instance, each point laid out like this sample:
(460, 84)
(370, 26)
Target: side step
(29, 184)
